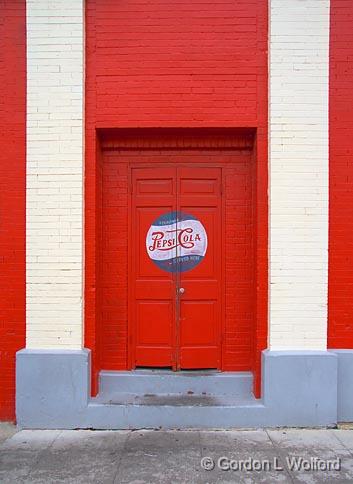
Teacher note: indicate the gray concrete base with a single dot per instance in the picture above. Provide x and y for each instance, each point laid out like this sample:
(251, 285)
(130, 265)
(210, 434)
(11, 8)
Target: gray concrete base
(345, 385)
(299, 389)
(52, 388)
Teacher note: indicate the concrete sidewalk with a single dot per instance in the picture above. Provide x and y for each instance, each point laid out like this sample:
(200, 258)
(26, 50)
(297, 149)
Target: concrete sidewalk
(84, 456)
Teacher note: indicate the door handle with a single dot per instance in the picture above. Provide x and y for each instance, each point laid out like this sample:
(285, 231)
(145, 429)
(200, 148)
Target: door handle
(181, 290)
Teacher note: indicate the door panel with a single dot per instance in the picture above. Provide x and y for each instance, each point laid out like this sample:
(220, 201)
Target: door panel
(198, 322)
(150, 314)
(153, 292)
(200, 303)
(144, 216)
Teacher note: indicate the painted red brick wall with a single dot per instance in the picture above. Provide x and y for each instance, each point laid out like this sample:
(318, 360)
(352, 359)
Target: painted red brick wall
(12, 196)
(114, 274)
(175, 64)
(240, 307)
(340, 332)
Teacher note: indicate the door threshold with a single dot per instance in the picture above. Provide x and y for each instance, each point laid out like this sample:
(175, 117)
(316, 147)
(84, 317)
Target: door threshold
(169, 371)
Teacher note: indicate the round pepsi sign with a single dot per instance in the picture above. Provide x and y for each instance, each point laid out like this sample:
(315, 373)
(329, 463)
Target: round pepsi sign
(176, 241)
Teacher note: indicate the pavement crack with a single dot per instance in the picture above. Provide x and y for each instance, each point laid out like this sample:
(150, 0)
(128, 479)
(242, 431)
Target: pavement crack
(281, 456)
(41, 453)
(115, 481)
(341, 442)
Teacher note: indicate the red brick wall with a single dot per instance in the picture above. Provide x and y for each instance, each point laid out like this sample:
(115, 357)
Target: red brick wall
(340, 332)
(175, 64)
(239, 264)
(12, 197)
(114, 344)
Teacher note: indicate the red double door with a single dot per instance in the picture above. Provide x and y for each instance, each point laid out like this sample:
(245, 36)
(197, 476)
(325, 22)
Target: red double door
(176, 267)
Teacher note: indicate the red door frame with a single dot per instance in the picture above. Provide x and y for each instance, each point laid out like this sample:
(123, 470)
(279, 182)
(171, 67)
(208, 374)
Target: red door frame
(131, 323)
(229, 138)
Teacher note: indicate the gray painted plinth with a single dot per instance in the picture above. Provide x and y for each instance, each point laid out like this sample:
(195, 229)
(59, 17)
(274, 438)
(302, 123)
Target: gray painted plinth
(345, 385)
(52, 388)
(299, 389)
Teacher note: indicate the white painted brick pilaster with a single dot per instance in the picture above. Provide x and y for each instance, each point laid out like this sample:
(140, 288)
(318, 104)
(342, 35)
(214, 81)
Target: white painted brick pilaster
(55, 53)
(298, 156)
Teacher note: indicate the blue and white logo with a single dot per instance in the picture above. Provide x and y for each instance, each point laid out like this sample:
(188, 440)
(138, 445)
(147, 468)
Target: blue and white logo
(176, 241)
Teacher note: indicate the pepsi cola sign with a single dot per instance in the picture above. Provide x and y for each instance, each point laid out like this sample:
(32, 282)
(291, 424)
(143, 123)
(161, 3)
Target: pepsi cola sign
(176, 241)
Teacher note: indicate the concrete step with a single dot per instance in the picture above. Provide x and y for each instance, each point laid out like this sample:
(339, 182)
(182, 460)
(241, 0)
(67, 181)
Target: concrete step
(156, 382)
(172, 399)
(166, 399)
(174, 411)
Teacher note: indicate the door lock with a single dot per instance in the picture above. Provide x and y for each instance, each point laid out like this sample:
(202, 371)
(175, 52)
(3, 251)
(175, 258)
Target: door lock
(181, 290)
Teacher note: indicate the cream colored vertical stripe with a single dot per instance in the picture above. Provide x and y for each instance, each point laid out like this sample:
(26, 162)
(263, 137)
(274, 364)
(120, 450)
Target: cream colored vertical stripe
(298, 157)
(55, 86)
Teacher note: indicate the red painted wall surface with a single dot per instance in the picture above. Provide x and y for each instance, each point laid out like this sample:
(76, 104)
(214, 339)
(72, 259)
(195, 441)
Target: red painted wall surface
(174, 64)
(340, 331)
(12, 196)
